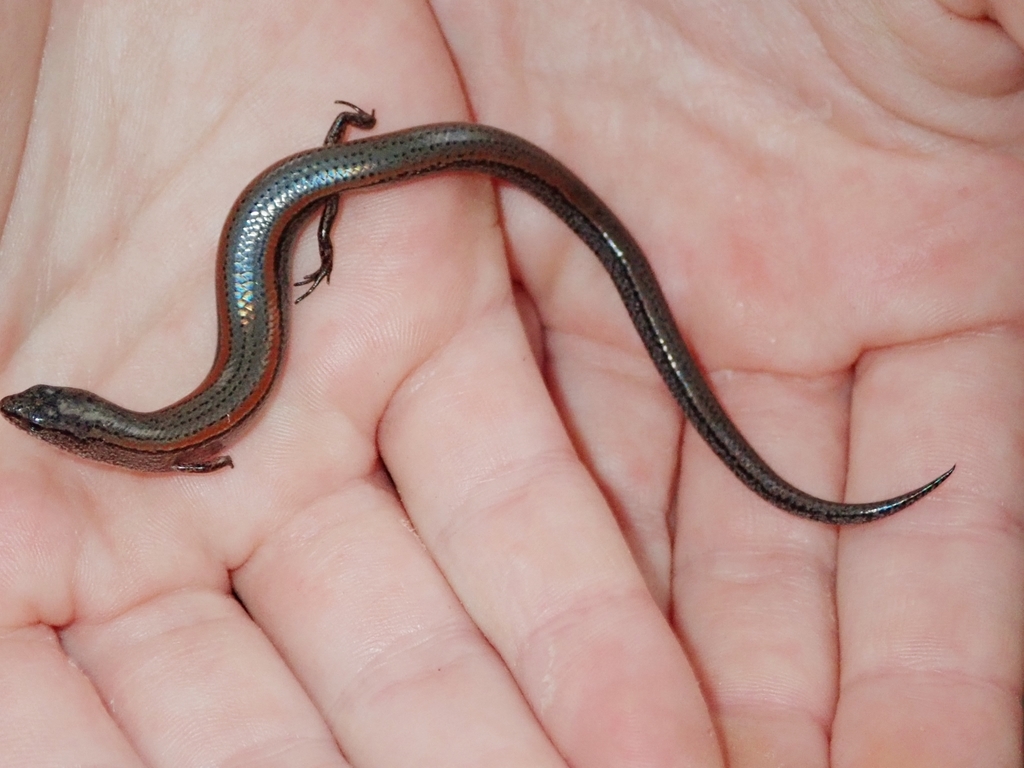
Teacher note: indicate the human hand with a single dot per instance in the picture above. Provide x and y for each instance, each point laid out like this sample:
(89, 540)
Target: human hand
(523, 624)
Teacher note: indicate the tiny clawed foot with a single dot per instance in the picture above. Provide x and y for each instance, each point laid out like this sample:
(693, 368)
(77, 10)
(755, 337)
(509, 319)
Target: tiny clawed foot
(313, 279)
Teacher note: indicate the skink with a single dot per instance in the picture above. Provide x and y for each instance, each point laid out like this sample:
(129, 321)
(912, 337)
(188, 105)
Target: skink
(253, 272)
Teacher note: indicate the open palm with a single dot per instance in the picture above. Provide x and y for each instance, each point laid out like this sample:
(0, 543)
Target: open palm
(471, 527)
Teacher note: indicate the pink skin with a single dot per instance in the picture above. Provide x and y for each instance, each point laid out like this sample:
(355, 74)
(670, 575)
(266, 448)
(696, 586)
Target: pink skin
(833, 203)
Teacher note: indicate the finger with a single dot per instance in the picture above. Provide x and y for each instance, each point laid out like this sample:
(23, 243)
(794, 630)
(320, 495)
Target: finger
(192, 681)
(51, 713)
(620, 415)
(930, 602)
(524, 536)
(753, 585)
(357, 607)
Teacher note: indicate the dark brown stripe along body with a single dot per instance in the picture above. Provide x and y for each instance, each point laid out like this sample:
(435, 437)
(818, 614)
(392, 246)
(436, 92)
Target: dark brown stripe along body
(254, 276)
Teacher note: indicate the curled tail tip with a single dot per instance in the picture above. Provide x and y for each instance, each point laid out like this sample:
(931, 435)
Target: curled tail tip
(902, 502)
(926, 489)
(845, 514)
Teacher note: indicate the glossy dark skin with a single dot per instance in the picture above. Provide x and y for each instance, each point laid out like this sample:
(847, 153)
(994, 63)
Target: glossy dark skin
(254, 270)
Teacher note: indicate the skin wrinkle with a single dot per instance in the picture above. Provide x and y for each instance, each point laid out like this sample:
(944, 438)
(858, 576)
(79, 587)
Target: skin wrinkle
(927, 80)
